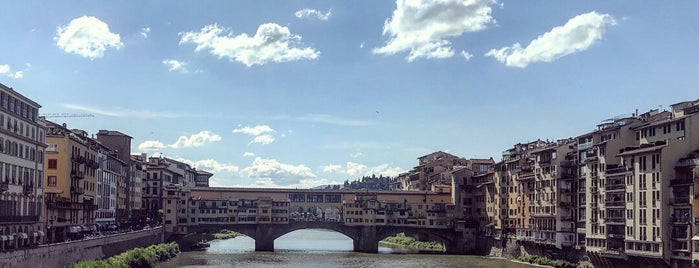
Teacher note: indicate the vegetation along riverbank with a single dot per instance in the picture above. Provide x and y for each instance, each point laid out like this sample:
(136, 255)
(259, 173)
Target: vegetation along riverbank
(137, 257)
(409, 242)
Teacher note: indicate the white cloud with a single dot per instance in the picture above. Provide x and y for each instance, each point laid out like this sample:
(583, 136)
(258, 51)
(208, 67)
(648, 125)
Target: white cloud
(122, 112)
(355, 155)
(355, 168)
(145, 31)
(578, 34)
(280, 173)
(151, 146)
(271, 43)
(466, 55)
(255, 130)
(422, 27)
(196, 140)
(307, 12)
(331, 168)
(246, 154)
(87, 36)
(175, 65)
(5, 70)
(210, 165)
(263, 139)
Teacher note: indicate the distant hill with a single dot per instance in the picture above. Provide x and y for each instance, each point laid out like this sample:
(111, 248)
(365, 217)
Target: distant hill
(369, 182)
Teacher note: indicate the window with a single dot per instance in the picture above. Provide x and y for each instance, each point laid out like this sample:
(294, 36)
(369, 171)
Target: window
(53, 163)
(52, 181)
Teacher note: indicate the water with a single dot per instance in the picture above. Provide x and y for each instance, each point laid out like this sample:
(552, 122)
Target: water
(320, 248)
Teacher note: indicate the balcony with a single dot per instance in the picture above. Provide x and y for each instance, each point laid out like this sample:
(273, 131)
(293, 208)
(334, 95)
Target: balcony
(679, 235)
(614, 203)
(590, 159)
(615, 187)
(678, 182)
(4, 186)
(688, 162)
(679, 200)
(566, 163)
(19, 219)
(614, 219)
(617, 170)
(28, 189)
(617, 253)
(583, 146)
(682, 220)
(63, 205)
(77, 190)
(566, 230)
(615, 235)
(78, 175)
(566, 204)
(89, 206)
(566, 218)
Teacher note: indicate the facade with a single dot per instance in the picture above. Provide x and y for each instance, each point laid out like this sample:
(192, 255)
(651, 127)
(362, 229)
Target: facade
(120, 143)
(22, 148)
(111, 172)
(70, 182)
(202, 178)
(161, 173)
(137, 169)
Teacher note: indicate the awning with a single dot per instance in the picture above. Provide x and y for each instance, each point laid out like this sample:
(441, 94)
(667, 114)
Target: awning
(3, 237)
(695, 238)
(41, 233)
(23, 236)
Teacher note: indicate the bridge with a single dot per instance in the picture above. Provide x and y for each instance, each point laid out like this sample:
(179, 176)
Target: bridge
(366, 217)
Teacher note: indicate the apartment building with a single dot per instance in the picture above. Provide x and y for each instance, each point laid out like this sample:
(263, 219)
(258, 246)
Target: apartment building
(70, 182)
(202, 178)
(137, 174)
(21, 171)
(161, 173)
(109, 198)
(428, 172)
(120, 143)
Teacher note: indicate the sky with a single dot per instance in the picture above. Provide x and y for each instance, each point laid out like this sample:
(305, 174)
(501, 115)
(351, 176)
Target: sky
(307, 93)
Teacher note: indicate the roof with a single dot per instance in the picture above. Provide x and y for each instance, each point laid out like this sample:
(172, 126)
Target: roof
(112, 133)
(17, 94)
(437, 152)
(642, 150)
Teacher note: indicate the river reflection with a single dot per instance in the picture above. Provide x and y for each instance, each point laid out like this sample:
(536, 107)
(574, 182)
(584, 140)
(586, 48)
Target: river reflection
(320, 248)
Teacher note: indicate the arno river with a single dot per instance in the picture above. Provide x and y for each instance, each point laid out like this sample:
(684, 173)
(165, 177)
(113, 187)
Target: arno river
(319, 248)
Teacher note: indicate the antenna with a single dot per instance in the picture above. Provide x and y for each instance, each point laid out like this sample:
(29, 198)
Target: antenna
(55, 115)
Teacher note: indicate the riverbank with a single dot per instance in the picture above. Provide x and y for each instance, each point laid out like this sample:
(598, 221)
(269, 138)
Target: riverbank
(193, 242)
(137, 257)
(408, 242)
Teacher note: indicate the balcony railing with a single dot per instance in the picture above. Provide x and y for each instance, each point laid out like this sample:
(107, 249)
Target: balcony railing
(615, 235)
(614, 219)
(617, 170)
(566, 204)
(615, 187)
(567, 218)
(680, 200)
(77, 175)
(28, 189)
(688, 162)
(614, 203)
(583, 146)
(6, 219)
(77, 190)
(4, 186)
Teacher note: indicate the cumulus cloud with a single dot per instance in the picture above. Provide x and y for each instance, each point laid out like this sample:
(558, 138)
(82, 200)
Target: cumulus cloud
(254, 131)
(281, 173)
(263, 139)
(578, 34)
(262, 133)
(87, 36)
(145, 31)
(271, 43)
(246, 154)
(308, 13)
(151, 146)
(357, 169)
(5, 70)
(196, 140)
(331, 168)
(466, 55)
(210, 165)
(422, 27)
(175, 65)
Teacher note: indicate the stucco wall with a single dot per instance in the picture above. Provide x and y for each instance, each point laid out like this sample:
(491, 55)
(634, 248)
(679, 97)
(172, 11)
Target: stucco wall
(64, 254)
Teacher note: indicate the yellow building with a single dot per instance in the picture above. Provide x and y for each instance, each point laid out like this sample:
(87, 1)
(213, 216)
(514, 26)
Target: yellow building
(71, 179)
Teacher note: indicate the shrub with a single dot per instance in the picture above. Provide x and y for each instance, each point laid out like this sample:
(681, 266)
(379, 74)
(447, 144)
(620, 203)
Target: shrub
(137, 257)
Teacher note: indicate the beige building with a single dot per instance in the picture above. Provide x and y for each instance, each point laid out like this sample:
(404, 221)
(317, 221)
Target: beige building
(70, 182)
(22, 147)
(137, 177)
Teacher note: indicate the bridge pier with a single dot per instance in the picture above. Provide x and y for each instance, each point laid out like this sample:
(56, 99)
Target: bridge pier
(456, 246)
(367, 241)
(264, 238)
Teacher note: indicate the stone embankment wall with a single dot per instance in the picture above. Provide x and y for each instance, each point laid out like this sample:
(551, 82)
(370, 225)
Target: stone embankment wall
(510, 249)
(64, 254)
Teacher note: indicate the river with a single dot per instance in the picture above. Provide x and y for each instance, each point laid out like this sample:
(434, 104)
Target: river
(320, 248)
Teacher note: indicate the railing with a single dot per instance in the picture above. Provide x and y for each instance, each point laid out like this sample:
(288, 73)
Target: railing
(77, 190)
(567, 218)
(681, 219)
(615, 235)
(566, 229)
(614, 219)
(77, 175)
(615, 187)
(617, 170)
(6, 219)
(583, 146)
(681, 181)
(614, 203)
(680, 200)
(688, 162)
(566, 204)
(4, 186)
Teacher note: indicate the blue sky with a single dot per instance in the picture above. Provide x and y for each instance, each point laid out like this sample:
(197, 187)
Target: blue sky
(303, 93)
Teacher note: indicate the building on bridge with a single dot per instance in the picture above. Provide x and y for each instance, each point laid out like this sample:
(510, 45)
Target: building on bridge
(190, 209)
